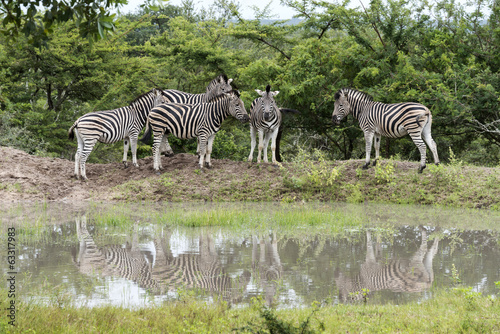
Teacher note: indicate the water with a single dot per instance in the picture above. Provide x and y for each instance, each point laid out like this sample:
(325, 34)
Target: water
(76, 259)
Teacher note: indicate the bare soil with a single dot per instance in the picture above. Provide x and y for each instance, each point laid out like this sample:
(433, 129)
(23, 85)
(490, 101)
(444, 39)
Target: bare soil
(28, 178)
(25, 177)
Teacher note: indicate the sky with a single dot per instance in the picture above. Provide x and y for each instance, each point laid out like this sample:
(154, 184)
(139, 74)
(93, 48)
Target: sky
(278, 11)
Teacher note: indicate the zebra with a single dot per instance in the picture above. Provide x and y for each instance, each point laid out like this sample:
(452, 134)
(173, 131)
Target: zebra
(402, 275)
(378, 119)
(265, 118)
(201, 120)
(221, 84)
(110, 126)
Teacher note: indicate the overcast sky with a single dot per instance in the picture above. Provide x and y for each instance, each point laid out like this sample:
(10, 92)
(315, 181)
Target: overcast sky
(278, 11)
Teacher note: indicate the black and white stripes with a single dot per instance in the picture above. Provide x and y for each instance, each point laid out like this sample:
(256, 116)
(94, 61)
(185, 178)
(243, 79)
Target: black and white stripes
(378, 119)
(201, 120)
(110, 126)
(265, 119)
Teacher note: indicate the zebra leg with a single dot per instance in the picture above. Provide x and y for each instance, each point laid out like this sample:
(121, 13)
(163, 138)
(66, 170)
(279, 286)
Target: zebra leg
(252, 142)
(208, 164)
(133, 147)
(426, 134)
(273, 145)
(78, 153)
(267, 137)
(87, 148)
(198, 147)
(377, 147)
(165, 146)
(125, 151)
(203, 149)
(417, 139)
(368, 142)
(158, 137)
(261, 145)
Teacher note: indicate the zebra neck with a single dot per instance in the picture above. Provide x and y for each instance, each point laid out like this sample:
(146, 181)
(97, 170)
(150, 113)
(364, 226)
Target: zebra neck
(141, 110)
(358, 107)
(218, 112)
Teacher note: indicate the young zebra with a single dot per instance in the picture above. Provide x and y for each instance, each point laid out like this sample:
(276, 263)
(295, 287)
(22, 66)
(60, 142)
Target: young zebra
(110, 126)
(221, 84)
(265, 118)
(378, 119)
(201, 120)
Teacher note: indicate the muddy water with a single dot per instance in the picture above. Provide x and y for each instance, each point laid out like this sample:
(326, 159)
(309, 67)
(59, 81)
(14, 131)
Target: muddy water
(76, 261)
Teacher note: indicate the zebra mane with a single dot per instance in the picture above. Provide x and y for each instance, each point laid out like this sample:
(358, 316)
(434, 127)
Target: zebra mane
(350, 91)
(220, 78)
(143, 95)
(235, 92)
(268, 88)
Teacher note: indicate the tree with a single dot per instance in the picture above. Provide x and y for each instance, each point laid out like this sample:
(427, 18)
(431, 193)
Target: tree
(35, 18)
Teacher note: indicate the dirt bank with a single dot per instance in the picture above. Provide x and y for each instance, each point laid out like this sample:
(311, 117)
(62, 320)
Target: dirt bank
(25, 178)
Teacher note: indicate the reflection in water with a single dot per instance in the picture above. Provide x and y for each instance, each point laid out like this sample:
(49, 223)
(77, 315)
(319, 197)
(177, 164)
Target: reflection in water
(267, 268)
(414, 274)
(286, 269)
(168, 273)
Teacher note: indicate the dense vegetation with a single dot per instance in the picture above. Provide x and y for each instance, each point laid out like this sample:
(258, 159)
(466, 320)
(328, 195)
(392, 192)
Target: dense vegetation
(443, 55)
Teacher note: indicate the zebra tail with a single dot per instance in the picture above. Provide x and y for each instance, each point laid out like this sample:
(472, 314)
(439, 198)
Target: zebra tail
(71, 133)
(291, 111)
(146, 138)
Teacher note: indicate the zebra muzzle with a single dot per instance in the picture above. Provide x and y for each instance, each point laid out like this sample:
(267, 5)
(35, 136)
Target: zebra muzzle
(336, 119)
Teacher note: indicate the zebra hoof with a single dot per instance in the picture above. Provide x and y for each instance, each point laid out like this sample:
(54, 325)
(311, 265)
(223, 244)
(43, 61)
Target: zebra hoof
(421, 169)
(125, 165)
(136, 165)
(374, 163)
(365, 166)
(209, 166)
(169, 154)
(437, 163)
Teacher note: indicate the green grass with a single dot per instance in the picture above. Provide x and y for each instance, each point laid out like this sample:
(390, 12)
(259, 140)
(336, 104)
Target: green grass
(390, 181)
(449, 311)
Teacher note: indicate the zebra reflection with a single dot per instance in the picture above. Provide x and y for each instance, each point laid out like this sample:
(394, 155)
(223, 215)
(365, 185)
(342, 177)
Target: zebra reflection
(266, 265)
(163, 273)
(400, 275)
(203, 270)
(113, 260)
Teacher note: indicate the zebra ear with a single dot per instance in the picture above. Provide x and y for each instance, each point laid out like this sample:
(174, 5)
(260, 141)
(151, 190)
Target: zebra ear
(275, 93)
(229, 81)
(260, 92)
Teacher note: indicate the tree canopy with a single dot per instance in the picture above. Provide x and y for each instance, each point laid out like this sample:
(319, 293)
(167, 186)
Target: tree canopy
(443, 55)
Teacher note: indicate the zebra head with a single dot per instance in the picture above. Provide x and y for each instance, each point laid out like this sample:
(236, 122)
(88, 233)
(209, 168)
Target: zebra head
(342, 107)
(268, 104)
(237, 107)
(159, 98)
(218, 86)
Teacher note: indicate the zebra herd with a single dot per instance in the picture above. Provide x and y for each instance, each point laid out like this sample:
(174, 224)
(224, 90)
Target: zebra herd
(200, 116)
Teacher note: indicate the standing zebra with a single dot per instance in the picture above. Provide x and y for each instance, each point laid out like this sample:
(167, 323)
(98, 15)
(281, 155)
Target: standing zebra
(110, 126)
(201, 120)
(265, 118)
(221, 84)
(378, 119)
